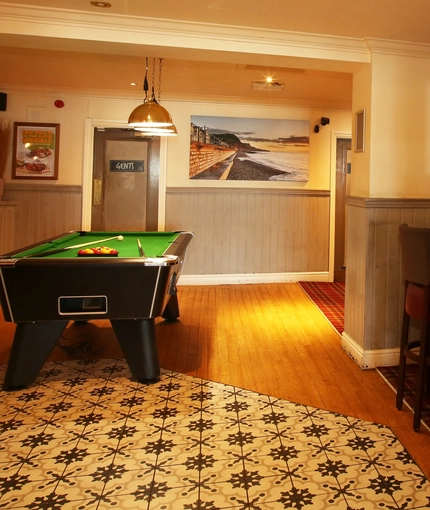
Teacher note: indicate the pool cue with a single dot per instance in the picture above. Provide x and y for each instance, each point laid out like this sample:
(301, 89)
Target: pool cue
(59, 250)
(139, 247)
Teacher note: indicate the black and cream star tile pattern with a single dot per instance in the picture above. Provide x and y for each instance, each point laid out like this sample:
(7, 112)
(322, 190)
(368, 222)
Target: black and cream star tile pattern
(85, 436)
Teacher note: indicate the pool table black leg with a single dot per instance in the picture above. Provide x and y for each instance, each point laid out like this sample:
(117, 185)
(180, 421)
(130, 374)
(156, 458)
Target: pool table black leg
(171, 312)
(138, 343)
(32, 344)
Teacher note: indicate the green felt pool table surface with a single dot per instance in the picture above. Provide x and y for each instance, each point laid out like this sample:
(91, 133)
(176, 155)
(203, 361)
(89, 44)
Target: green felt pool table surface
(154, 244)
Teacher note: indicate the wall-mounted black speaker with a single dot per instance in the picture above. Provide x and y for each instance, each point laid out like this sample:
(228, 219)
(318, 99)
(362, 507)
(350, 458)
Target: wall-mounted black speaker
(3, 101)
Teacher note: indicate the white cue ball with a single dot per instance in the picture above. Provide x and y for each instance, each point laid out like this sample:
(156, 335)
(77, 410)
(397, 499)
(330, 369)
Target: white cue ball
(120, 238)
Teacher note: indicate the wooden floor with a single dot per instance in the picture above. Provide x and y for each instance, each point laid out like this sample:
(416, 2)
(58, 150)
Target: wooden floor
(267, 338)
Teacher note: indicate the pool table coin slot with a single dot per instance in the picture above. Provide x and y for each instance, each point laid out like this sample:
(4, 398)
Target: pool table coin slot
(81, 305)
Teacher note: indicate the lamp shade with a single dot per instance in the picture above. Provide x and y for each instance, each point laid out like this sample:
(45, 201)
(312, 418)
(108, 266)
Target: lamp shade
(150, 114)
(158, 131)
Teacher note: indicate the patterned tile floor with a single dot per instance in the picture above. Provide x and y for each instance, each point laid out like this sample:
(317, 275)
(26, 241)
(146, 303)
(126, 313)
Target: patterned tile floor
(85, 436)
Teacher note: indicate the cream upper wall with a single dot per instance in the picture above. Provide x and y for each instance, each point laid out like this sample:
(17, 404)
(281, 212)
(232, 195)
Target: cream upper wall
(400, 150)
(22, 105)
(359, 181)
(71, 120)
(395, 92)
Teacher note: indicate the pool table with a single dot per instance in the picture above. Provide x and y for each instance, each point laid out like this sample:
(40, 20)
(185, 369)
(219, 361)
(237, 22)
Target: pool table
(44, 286)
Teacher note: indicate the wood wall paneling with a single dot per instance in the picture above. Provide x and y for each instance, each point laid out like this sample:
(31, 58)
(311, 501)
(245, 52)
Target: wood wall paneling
(374, 285)
(251, 230)
(7, 225)
(236, 231)
(355, 274)
(44, 211)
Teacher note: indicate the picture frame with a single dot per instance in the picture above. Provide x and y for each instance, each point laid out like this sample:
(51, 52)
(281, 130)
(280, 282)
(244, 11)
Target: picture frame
(360, 130)
(35, 150)
(237, 149)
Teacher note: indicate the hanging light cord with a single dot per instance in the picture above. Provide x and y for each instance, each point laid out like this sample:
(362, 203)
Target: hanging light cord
(145, 80)
(160, 63)
(153, 79)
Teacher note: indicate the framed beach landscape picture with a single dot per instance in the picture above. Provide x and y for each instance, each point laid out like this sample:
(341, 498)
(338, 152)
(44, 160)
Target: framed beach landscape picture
(230, 148)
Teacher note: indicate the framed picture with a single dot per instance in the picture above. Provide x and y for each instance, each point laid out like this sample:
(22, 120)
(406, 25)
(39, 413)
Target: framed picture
(35, 150)
(245, 149)
(360, 130)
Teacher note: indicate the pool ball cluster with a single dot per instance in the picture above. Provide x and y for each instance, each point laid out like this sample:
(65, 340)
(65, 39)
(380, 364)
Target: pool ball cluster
(99, 250)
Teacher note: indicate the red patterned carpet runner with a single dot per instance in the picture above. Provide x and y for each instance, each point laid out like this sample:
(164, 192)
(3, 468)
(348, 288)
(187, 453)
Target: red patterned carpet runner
(330, 299)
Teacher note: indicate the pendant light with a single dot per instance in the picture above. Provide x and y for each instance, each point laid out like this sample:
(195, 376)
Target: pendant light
(157, 131)
(150, 117)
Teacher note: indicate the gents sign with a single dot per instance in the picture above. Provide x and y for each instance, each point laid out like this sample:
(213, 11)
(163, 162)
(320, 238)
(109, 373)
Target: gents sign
(126, 165)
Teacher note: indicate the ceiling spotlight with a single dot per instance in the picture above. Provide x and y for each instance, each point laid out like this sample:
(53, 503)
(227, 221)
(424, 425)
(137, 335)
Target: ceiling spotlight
(101, 4)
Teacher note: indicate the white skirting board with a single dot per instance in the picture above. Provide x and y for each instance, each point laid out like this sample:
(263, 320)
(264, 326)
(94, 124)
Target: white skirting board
(224, 279)
(371, 358)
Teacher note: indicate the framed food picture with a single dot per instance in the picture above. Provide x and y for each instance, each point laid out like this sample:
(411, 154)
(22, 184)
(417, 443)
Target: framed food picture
(35, 150)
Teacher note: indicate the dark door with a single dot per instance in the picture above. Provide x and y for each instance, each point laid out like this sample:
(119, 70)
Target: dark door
(125, 181)
(343, 148)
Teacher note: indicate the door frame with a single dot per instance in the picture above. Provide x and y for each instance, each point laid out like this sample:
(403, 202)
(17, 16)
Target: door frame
(87, 177)
(335, 135)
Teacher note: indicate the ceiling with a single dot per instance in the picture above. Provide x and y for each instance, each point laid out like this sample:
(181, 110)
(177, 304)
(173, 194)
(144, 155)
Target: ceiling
(386, 19)
(213, 48)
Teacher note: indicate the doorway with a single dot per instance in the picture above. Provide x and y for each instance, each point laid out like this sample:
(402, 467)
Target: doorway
(343, 152)
(125, 181)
